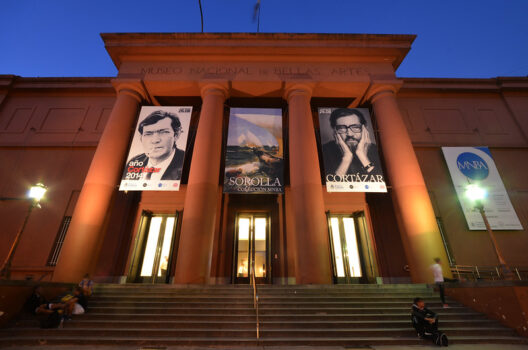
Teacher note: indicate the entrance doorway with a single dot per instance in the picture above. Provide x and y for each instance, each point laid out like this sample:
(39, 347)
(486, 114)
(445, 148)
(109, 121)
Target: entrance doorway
(352, 251)
(153, 249)
(251, 251)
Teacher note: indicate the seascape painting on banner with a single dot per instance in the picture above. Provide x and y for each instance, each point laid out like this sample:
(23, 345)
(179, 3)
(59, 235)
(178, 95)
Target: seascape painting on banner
(254, 160)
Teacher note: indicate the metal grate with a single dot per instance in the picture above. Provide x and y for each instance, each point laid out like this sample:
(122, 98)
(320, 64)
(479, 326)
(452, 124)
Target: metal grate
(55, 252)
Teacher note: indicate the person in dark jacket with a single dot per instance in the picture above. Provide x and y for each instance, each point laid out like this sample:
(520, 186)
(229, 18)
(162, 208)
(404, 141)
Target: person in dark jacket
(38, 304)
(425, 322)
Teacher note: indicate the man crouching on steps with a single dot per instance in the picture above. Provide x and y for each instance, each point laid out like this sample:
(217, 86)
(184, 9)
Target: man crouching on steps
(425, 322)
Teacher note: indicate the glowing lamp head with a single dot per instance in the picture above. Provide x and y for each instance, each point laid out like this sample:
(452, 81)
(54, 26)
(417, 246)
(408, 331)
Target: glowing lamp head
(37, 192)
(476, 193)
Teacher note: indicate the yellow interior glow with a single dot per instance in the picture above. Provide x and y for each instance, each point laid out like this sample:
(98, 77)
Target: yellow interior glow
(352, 248)
(150, 249)
(338, 255)
(167, 238)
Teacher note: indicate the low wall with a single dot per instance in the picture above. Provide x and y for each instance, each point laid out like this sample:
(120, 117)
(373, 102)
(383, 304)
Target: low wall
(506, 302)
(14, 294)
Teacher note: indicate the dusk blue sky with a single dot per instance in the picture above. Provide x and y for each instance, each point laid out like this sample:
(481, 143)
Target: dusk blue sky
(456, 38)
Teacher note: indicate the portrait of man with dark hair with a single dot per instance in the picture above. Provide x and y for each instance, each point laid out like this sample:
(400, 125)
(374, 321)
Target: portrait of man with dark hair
(350, 155)
(351, 150)
(161, 158)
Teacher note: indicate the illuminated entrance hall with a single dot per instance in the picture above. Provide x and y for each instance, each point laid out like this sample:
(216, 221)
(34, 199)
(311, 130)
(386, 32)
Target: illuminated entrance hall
(251, 248)
(293, 158)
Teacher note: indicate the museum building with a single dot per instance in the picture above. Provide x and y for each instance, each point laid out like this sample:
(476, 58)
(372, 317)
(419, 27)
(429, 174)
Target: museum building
(74, 136)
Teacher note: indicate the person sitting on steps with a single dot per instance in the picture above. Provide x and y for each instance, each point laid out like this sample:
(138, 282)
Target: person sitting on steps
(425, 322)
(77, 304)
(87, 285)
(38, 304)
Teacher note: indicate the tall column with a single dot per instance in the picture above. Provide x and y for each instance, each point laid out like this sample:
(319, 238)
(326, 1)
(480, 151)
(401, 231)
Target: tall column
(419, 229)
(80, 249)
(201, 198)
(311, 228)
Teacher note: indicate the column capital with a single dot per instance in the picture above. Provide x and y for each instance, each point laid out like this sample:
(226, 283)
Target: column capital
(379, 88)
(131, 87)
(220, 89)
(296, 89)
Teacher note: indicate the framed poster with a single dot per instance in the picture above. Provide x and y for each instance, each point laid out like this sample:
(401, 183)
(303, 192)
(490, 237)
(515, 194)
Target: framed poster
(350, 153)
(254, 160)
(157, 151)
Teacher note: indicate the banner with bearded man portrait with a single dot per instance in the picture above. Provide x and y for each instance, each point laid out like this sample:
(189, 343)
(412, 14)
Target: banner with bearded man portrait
(350, 153)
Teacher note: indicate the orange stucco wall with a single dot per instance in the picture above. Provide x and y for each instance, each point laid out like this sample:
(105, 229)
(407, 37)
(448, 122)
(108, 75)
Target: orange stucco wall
(48, 134)
(439, 115)
(50, 127)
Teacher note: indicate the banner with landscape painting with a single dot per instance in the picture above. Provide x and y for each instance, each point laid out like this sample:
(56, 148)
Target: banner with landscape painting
(254, 154)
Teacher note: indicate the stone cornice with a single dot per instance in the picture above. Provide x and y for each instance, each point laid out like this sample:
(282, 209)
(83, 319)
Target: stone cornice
(252, 46)
(99, 84)
(463, 84)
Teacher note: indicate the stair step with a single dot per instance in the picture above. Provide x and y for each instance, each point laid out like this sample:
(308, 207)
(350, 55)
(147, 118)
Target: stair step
(330, 315)
(348, 342)
(466, 316)
(263, 304)
(249, 324)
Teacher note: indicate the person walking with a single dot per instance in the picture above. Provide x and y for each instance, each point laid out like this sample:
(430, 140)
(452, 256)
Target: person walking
(438, 276)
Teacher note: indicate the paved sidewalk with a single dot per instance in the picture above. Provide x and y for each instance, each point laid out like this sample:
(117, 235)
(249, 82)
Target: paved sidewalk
(454, 347)
(379, 347)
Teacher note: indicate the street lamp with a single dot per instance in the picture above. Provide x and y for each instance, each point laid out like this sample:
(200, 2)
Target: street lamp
(477, 194)
(35, 194)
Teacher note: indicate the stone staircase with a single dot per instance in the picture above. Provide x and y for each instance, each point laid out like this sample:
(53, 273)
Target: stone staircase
(332, 315)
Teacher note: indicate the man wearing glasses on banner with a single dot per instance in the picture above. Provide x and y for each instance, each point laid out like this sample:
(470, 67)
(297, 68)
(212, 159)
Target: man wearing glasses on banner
(161, 159)
(352, 150)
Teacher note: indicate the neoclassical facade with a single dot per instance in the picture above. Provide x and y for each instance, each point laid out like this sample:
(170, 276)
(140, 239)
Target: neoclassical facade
(73, 134)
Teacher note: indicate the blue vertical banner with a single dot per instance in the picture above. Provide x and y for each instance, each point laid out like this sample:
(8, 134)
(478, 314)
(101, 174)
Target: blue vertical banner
(254, 160)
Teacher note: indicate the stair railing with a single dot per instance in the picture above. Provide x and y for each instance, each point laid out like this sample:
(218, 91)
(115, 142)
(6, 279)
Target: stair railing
(474, 273)
(255, 298)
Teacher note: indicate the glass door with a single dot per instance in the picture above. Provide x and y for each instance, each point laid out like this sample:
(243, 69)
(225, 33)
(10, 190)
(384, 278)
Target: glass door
(344, 242)
(152, 258)
(251, 248)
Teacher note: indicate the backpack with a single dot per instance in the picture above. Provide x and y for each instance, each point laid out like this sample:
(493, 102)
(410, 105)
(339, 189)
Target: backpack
(52, 321)
(440, 339)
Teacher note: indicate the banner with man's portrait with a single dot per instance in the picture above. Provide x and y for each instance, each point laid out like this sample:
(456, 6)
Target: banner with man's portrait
(350, 153)
(254, 160)
(157, 151)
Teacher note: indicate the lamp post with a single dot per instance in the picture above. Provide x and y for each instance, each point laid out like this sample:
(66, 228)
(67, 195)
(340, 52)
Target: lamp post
(35, 194)
(477, 194)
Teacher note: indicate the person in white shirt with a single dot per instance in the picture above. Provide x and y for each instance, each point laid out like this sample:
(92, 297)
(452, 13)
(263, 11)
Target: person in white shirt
(438, 276)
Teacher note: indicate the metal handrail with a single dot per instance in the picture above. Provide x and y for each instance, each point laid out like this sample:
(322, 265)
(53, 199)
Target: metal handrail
(255, 298)
(486, 272)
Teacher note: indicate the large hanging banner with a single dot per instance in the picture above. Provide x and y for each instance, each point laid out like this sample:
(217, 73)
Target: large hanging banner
(350, 153)
(474, 165)
(254, 154)
(155, 158)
